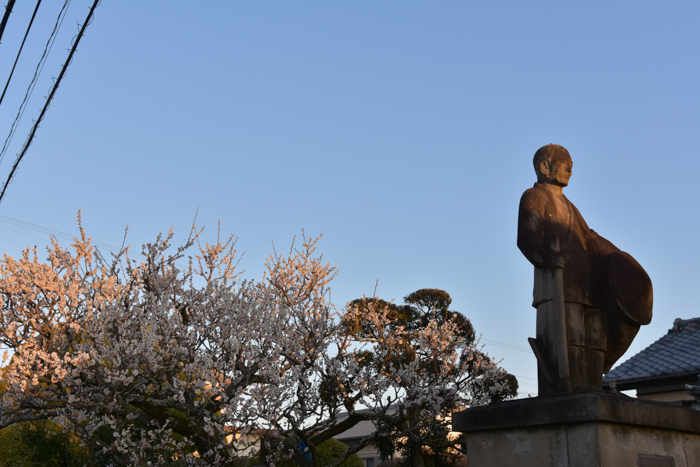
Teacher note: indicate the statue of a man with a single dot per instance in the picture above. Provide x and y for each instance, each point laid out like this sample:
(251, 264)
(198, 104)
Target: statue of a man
(590, 297)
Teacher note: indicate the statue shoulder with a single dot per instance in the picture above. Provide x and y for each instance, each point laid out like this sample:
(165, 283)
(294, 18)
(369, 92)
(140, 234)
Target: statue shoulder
(535, 198)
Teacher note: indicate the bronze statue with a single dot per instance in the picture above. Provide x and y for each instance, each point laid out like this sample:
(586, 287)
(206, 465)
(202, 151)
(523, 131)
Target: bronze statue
(591, 298)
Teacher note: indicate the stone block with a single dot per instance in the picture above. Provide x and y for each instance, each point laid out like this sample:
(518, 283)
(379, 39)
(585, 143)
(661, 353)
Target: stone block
(583, 430)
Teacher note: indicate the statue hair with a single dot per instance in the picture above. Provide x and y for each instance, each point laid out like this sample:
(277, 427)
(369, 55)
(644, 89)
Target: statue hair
(549, 153)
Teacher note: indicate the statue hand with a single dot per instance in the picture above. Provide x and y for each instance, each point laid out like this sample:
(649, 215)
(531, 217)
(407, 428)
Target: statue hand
(553, 260)
(559, 261)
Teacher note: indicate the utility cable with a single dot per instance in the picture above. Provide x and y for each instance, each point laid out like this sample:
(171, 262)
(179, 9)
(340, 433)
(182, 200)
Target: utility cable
(507, 346)
(37, 72)
(65, 235)
(30, 137)
(49, 231)
(6, 16)
(20, 51)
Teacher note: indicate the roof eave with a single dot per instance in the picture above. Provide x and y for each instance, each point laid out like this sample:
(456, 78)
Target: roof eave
(624, 385)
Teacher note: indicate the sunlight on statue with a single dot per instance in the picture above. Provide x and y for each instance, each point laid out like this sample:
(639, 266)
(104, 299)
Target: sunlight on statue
(591, 298)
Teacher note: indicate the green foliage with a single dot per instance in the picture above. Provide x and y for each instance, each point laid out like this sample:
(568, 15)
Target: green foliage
(12, 451)
(326, 453)
(429, 304)
(40, 444)
(433, 449)
(331, 450)
(429, 299)
(400, 316)
(420, 308)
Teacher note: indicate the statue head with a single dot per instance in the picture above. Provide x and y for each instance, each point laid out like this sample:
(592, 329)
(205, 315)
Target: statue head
(553, 165)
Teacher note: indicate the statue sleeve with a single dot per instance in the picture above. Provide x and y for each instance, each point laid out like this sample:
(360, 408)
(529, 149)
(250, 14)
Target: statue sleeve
(532, 230)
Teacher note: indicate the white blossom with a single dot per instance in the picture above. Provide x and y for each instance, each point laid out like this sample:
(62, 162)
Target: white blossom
(171, 362)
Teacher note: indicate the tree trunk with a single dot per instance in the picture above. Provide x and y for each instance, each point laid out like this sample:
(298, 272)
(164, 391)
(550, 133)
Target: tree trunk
(417, 455)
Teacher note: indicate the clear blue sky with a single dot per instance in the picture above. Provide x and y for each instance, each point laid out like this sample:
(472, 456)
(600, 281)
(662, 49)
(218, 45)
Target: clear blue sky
(401, 130)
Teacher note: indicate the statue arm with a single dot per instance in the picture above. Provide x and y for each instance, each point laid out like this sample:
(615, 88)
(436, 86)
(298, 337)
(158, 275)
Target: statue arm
(532, 232)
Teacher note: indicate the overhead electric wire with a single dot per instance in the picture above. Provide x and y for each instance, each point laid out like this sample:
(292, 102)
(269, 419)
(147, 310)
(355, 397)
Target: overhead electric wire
(60, 234)
(6, 16)
(57, 233)
(20, 50)
(37, 72)
(23, 233)
(30, 137)
(524, 377)
(507, 346)
(49, 231)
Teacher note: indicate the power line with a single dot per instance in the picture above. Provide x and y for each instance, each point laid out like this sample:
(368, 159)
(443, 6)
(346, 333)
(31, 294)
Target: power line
(507, 346)
(23, 233)
(60, 234)
(49, 231)
(37, 72)
(56, 233)
(28, 142)
(6, 16)
(524, 377)
(20, 51)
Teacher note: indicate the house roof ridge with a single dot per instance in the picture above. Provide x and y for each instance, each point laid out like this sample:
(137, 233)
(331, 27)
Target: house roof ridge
(680, 325)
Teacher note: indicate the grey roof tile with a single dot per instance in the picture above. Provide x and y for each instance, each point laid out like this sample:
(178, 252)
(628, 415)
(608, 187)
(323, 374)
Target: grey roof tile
(361, 430)
(675, 353)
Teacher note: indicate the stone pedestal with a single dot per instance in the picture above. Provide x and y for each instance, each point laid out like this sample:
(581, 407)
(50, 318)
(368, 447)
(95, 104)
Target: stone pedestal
(580, 430)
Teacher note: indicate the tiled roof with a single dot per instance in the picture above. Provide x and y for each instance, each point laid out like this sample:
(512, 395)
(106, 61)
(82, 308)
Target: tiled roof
(363, 429)
(676, 353)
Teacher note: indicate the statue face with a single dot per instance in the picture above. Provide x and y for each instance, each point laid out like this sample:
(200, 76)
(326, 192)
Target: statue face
(557, 172)
(560, 171)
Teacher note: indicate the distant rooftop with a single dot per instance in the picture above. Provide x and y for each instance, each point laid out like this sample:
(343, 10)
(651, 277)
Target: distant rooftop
(363, 429)
(677, 353)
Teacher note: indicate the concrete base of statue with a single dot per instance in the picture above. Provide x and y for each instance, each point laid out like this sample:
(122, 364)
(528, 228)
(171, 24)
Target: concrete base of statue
(580, 430)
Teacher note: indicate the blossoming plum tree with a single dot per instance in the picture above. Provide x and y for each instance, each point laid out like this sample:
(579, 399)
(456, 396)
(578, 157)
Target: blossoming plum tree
(421, 440)
(151, 362)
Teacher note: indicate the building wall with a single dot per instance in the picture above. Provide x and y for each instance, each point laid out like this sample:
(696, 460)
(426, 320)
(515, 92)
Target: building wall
(670, 397)
(369, 455)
